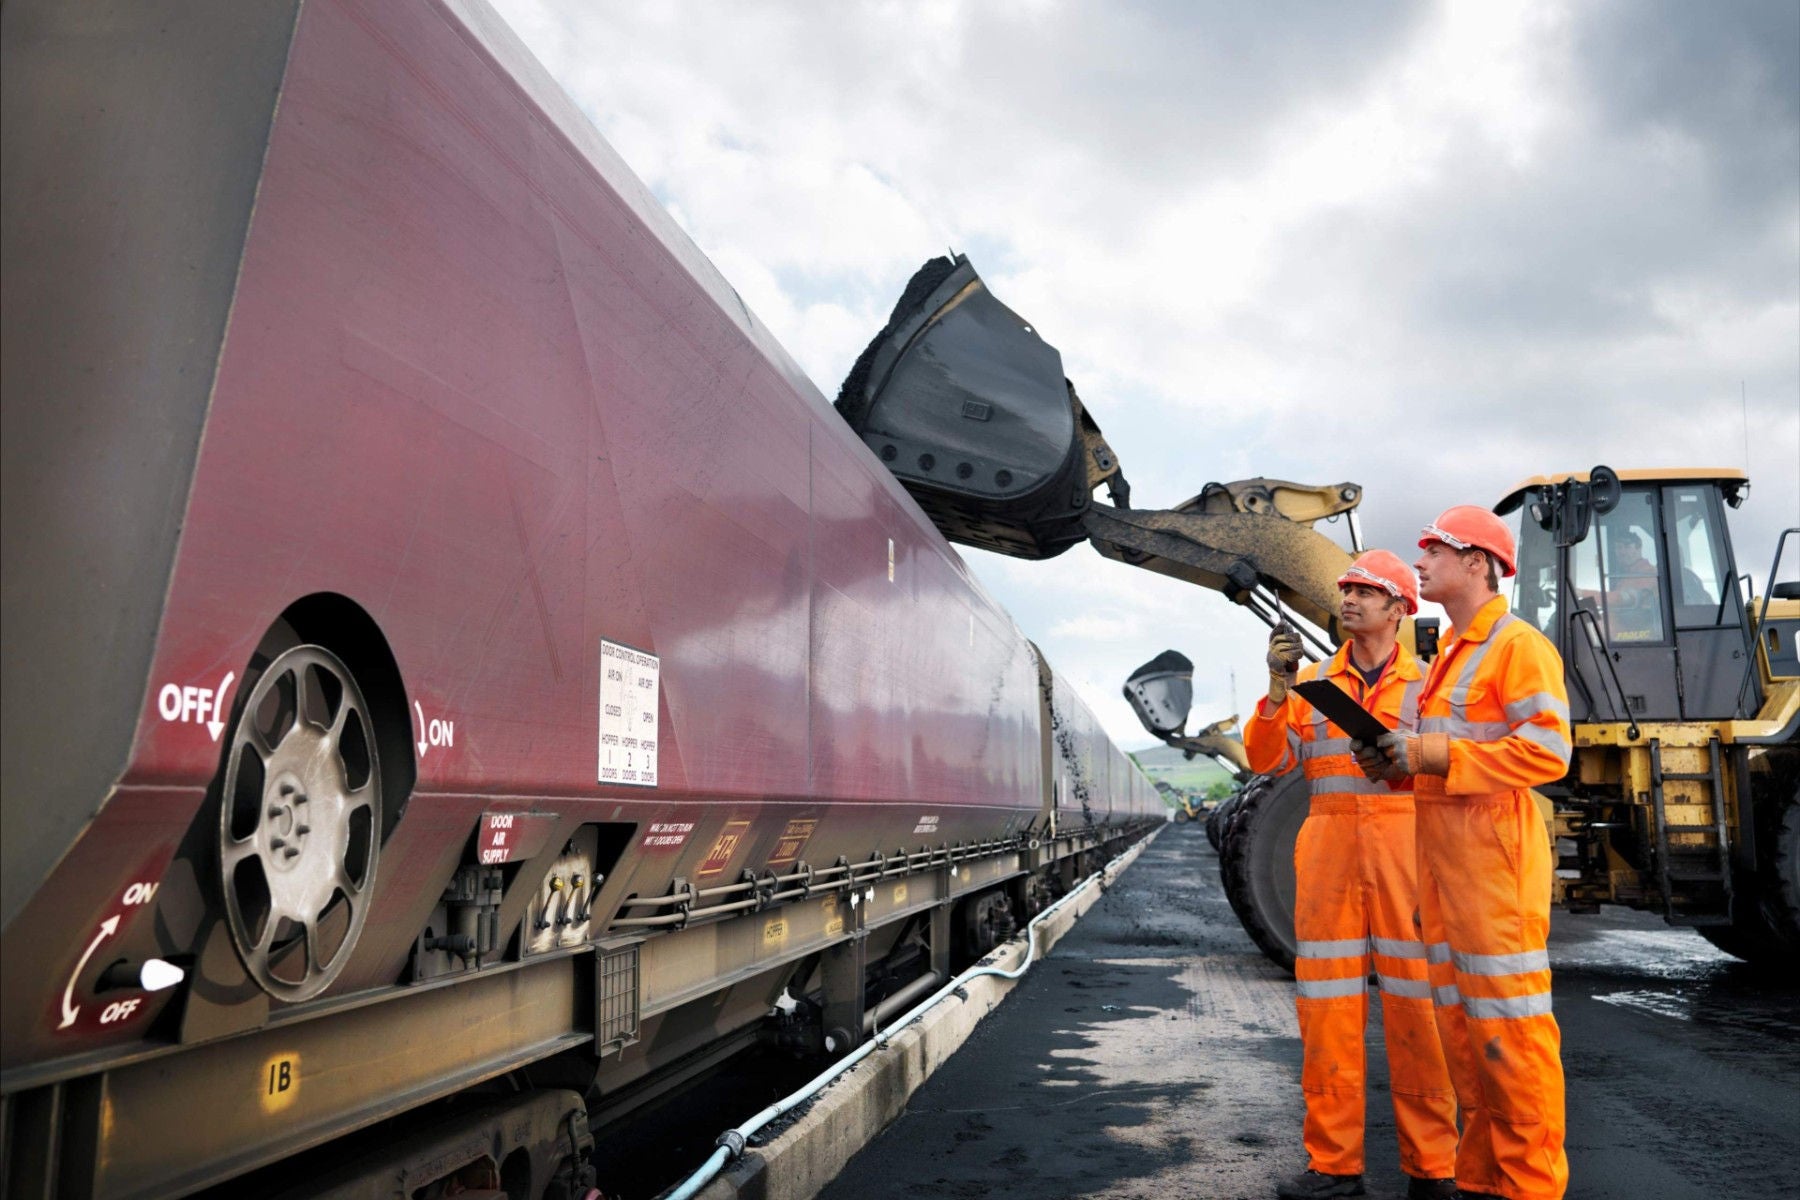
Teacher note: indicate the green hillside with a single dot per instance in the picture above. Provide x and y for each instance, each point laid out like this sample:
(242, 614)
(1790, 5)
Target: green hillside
(1165, 763)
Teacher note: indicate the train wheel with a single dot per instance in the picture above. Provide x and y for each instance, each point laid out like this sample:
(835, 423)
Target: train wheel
(1257, 863)
(300, 822)
(987, 921)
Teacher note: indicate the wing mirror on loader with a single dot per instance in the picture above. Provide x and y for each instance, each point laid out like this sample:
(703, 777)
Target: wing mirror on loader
(1568, 511)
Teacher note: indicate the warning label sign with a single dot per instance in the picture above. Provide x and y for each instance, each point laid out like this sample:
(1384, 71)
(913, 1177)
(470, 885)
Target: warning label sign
(630, 683)
(792, 841)
(723, 847)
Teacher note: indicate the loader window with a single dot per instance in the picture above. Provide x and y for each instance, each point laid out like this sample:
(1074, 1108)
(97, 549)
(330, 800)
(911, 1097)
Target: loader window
(1535, 592)
(1701, 578)
(1617, 572)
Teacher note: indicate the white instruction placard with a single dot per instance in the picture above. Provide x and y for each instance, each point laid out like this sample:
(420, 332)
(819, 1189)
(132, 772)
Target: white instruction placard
(630, 683)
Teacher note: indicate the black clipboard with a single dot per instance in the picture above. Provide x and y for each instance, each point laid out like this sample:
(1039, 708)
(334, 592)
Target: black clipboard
(1342, 711)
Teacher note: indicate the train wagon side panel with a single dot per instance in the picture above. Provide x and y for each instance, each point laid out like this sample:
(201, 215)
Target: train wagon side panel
(472, 388)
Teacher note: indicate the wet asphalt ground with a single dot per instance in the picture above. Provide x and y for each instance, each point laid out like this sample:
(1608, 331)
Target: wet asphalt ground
(1154, 1053)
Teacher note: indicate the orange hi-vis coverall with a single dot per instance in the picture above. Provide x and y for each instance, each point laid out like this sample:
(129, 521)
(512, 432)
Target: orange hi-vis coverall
(1354, 864)
(1485, 866)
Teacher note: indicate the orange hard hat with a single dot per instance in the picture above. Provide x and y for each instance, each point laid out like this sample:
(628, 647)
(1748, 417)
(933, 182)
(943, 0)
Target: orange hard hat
(1471, 527)
(1383, 569)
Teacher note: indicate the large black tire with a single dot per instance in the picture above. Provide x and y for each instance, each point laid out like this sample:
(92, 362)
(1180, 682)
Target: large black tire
(1748, 937)
(1219, 817)
(1257, 862)
(1765, 930)
(1783, 902)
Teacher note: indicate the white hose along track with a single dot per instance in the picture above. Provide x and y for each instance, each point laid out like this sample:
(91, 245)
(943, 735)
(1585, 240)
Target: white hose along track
(731, 1143)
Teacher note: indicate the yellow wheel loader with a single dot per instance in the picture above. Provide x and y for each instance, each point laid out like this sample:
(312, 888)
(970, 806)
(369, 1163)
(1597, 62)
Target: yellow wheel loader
(1683, 795)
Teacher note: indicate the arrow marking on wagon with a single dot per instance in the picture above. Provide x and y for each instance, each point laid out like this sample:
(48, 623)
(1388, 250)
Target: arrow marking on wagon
(216, 726)
(421, 713)
(70, 1009)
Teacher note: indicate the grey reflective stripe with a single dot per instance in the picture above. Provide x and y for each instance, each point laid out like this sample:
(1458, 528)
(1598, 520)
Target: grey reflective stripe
(1446, 996)
(1320, 747)
(1438, 952)
(1459, 695)
(1501, 964)
(1398, 948)
(1409, 704)
(1485, 1009)
(1348, 948)
(1354, 785)
(1549, 739)
(1294, 744)
(1318, 723)
(1531, 706)
(1415, 989)
(1474, 731)
(1326, 989)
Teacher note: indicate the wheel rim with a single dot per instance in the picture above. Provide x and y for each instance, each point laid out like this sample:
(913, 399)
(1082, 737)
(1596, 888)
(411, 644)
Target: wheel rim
(299, 826)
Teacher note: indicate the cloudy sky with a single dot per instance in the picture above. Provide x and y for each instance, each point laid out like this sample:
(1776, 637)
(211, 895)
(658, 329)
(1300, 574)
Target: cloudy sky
(1429, 248)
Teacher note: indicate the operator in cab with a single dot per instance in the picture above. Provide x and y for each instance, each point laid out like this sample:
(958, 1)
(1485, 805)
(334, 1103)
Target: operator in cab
(1355, 896)
(1493, 724)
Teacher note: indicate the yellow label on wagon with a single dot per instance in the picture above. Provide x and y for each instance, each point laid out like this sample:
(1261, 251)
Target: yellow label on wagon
(899, 893)
(774, 931)
(278, 1084)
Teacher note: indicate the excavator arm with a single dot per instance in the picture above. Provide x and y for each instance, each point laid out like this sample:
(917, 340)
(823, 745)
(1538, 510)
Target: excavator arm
(1161, 691)
(1219, 742)
(1255, 559)
(969, 408)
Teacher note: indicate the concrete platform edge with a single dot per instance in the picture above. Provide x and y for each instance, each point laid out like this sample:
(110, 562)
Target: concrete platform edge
(807, 1155)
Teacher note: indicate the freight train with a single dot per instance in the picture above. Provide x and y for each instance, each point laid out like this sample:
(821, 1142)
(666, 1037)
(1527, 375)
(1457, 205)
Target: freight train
(460, 675)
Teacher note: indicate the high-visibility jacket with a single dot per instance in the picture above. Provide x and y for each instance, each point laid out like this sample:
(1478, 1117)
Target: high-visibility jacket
(1355, 903)
(1485, 870)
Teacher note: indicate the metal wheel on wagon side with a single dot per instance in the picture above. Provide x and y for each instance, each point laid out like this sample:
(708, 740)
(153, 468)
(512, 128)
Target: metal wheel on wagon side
(300, 823)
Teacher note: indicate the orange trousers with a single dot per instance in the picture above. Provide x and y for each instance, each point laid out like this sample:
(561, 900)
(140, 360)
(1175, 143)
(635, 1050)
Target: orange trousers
(1484, 902)
(1354, 864)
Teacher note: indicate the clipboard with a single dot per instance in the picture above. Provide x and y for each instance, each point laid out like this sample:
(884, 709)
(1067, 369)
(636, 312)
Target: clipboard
(1342, 711)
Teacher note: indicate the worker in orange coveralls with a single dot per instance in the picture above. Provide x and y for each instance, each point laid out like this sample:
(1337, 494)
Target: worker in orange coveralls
(1355, 895)
(1493, 723)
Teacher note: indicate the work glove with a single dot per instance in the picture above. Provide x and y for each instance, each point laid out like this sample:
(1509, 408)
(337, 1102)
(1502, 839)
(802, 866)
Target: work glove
(1375, 764)
(1417, 753)
(1284, 662)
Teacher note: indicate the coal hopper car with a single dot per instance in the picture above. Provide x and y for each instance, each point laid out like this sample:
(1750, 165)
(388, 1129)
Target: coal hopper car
(459, 673)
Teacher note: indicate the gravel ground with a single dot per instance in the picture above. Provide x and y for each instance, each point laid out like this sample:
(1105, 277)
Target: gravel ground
(1155, 1054)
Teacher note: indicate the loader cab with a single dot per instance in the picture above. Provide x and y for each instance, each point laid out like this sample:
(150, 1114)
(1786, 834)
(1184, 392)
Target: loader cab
(1631, 575)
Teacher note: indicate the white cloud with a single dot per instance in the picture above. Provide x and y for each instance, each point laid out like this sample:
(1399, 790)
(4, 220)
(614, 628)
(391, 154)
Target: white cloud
(1432, 249)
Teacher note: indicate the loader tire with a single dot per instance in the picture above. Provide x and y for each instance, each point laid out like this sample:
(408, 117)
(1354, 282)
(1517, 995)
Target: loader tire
(1765, 931)
(1219, 818)
(1749, 936)
(1782, 901)
(1257, 863)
